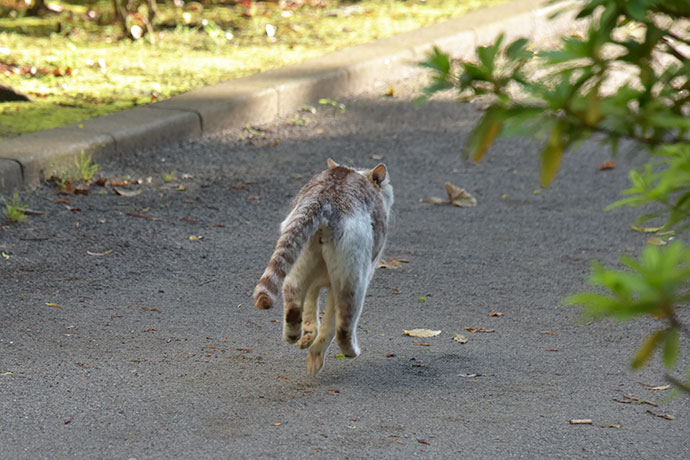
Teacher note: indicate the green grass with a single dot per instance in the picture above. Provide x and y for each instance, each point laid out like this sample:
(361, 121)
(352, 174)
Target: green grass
(91, 70)
(14, 209)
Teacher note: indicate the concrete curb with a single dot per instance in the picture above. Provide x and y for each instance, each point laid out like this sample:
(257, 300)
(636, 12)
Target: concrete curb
(28, 160)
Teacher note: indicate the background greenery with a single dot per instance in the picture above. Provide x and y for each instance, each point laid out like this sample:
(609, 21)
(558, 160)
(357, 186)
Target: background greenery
(78, 59)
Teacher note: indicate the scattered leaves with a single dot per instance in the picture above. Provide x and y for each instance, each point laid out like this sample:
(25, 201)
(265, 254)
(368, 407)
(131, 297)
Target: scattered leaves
(456, 196)
(421, 333)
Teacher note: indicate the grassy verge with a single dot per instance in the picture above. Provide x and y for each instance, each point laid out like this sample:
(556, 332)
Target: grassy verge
(75, 65)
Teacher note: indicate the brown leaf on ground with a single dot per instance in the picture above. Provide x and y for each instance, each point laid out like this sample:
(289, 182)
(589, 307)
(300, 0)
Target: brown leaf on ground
(633, 400)
(496, 314)
(127, 193)
(460, 338)
(607, 165)
(391, 263)
(664, 416)
(456, 196)
(421, 333)
(479, 329)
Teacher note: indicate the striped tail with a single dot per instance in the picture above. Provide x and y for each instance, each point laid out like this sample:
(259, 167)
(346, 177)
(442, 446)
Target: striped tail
(301, 225)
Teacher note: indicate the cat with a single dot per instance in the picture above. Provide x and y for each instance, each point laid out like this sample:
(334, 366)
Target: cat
(332, 238)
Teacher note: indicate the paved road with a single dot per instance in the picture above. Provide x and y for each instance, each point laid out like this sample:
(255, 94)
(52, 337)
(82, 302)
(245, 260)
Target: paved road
(153, 350)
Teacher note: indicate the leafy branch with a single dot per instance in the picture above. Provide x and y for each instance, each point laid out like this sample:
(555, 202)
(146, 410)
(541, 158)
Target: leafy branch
(627, 78)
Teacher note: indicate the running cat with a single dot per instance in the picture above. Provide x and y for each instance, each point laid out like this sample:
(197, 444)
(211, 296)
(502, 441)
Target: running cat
(332, 238)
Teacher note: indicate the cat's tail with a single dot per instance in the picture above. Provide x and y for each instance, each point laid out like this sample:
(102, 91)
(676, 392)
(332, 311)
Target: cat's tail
(298, 228)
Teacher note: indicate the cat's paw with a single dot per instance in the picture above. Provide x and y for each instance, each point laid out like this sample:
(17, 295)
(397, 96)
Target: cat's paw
(308, 337)
(314, 362)
(350, 351)
(291, 335)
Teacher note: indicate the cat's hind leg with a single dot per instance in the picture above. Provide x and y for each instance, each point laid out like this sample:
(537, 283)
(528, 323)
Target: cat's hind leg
(317, 351)
(348, 307)
(305, 273)
(310, 316)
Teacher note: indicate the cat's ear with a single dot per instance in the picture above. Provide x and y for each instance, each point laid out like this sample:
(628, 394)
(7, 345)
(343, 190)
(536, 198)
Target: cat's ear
(332, 164)
(378, 174)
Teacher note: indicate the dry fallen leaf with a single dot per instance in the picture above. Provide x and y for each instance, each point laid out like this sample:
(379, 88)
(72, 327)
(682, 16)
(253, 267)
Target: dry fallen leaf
(609, 426)
(608, 164)
(460, 338)
(633, 400)
(456, 196)
(422, 344)
(661, 387)
(656, 241)
(421, 333)
(584, 421)
(640, 229)
(55, 305)
(391, 263)
(459, 196)
(127, 193)
(547, 332)
(99, 254)
(496, 314)
(664, 416)
(479, 329)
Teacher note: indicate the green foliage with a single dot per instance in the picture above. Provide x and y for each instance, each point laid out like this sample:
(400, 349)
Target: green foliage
(85, 169)
(335, 105)
(14, 209)
(626, 77)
